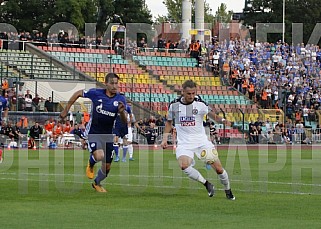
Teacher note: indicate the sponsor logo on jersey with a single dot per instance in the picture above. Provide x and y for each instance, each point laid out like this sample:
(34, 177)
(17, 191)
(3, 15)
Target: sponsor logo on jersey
(187, 120)
(100, 110)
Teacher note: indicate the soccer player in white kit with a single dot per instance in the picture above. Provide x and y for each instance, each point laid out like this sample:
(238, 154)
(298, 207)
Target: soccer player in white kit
(188, 111)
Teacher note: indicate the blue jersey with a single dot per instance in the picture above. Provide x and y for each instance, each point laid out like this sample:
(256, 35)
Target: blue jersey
(3, 105)
(103, 112)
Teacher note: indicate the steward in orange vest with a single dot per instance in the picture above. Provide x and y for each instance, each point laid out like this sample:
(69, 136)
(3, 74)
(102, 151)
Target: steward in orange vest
(251, 90)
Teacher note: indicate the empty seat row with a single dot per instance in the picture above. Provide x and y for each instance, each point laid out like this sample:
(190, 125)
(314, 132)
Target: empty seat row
(91, 60)
(87, 55)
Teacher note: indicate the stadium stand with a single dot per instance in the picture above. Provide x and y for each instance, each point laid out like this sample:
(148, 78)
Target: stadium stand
(152, 79)
(136, 83)
(31, 66)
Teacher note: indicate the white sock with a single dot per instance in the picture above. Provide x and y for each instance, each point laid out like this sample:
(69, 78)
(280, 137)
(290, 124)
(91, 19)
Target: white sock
(224, 180)
(130, 150)
(48, 142)
(194, 174)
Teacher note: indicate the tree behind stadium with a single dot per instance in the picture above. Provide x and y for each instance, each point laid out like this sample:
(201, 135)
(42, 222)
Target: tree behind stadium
(42, 14)
(307, 12)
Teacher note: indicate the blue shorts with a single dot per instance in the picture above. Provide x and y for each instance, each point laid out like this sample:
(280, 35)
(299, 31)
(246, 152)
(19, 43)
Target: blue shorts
(121, 132)
(104, 142)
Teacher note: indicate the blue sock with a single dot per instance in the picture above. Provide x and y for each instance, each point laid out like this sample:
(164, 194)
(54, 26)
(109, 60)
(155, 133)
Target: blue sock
(100, 176)
(92, 160)
(124, 151)
(116, 148)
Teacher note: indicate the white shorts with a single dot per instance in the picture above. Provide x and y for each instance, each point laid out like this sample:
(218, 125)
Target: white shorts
(130, 135)
(184, 151)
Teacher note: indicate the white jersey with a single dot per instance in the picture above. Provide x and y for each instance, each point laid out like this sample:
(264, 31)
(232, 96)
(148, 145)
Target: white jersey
(188, 120)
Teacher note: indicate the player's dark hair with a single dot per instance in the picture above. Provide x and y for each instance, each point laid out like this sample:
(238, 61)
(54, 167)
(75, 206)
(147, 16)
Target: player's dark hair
(110, 76)
(189, 83)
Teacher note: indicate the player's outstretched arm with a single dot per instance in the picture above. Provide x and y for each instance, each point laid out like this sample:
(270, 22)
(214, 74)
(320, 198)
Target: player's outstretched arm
(167, 130)
(71, 101)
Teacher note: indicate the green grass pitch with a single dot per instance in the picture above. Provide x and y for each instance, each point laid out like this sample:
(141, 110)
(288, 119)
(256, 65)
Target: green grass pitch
(275, 187)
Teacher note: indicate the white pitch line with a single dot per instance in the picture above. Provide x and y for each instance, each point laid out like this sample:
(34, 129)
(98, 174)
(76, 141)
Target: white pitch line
(166, 177)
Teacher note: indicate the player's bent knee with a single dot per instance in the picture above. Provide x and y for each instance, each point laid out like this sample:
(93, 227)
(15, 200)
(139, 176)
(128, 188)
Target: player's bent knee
(209, 156)
(184, 162)
(99, 155)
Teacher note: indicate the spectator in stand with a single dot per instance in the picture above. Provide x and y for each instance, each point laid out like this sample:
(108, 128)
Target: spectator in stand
(42, 104)
(5, 41)
(285, 136)
(277, 134)
(35, 102)
(49, 105)
(42, 39)
(254, 136)
(21, 98)
(141, 45)
(264, 98)
(305, 114)
(251, 90)
(28, 101)
(22, 41)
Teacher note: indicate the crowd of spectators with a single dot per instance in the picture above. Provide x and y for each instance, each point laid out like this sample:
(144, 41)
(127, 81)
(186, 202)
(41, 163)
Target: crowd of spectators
(118, 44)
(275, 133)
(20, 99)
(49, 133)
(274, 75)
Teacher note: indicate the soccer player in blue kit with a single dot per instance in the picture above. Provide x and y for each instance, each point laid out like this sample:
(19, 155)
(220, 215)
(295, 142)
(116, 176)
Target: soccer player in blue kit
(106, 104)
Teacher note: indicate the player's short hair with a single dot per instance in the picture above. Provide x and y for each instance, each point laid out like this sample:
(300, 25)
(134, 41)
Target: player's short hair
(110, 76)
(189, 83)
